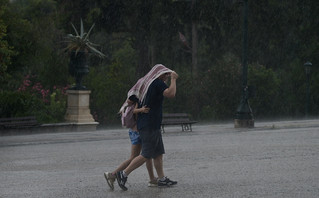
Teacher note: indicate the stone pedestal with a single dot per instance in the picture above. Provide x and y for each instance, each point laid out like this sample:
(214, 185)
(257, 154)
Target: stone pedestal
(78, 111)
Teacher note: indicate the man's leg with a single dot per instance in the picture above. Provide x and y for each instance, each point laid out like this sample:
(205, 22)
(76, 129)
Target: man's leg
(136, 162)
(162, 180)
(122, 175)
(158, 164)
(135, 151)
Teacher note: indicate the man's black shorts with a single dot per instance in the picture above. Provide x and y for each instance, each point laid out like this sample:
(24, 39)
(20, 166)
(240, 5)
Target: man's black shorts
(152, 143)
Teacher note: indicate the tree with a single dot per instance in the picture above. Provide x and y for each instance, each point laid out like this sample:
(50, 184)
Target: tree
(6, 51)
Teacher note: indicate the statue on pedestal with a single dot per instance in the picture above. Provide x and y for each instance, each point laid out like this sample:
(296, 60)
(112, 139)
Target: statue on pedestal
(79, 48)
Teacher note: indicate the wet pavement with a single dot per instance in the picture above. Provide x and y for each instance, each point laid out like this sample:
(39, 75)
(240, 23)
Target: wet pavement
(274, 159)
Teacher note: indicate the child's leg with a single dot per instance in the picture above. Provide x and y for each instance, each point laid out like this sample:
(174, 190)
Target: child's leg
(149, 166)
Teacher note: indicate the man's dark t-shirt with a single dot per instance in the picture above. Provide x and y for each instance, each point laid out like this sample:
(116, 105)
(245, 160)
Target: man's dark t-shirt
(154, 100)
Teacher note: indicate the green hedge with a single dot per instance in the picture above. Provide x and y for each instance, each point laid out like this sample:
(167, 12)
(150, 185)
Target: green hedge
(19, 104)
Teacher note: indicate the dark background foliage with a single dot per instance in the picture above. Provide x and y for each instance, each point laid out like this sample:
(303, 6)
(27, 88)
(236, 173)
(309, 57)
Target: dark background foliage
(135, 35)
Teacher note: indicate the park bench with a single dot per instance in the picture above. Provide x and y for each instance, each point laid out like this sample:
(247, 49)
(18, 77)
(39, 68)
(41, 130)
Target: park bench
(18, 122)
(182, 119)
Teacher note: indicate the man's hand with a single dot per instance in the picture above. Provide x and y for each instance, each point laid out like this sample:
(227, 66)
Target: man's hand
(174, 75)
(171, 91)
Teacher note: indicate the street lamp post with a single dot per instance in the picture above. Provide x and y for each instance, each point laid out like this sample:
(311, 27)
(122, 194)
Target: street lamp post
(308, 66)
(244, 116)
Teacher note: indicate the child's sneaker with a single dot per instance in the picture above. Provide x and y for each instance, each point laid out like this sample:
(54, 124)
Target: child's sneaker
(110, 179)
(153, 183)
(121, 180)
(166, 182)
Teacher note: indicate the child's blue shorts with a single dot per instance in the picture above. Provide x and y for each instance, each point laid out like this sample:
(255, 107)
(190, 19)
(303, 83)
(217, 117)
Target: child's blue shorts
(135, 137)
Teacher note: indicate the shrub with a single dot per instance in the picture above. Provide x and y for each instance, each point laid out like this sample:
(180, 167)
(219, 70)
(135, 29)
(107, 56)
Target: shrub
(55, 110)
(17, 104)
(31, 99)
(220, 88)
(266, 101)
(109, 88)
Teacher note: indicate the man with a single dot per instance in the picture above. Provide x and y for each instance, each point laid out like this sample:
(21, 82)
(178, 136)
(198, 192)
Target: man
(149, 124)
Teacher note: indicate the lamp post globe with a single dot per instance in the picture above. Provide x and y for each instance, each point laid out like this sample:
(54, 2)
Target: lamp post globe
(308, 66)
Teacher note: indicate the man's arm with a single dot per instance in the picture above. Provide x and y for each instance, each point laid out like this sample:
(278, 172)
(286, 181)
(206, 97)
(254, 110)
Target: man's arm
(171, 91)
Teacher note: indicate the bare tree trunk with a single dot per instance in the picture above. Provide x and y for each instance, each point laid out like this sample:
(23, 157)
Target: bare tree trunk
(196, 94)
(143, 59)
(194, 50)
(143, 37)
(153, 55)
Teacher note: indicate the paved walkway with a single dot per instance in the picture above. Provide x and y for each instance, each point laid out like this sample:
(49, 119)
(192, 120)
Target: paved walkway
(274, 159)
